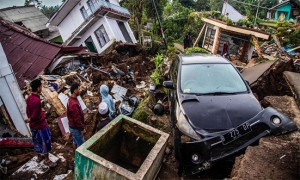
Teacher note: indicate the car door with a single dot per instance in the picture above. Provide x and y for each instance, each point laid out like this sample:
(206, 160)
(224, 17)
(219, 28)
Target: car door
(173, 92)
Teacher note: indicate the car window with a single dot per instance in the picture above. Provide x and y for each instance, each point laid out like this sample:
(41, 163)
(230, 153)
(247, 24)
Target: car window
(210, 78)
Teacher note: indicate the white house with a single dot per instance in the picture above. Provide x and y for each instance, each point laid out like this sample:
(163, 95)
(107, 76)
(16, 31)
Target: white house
(231, 12)
(93, 23)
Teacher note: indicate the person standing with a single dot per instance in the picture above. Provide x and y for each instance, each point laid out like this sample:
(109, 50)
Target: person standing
(104, 116)
(75, 117)
(41, 135)
(108, 100)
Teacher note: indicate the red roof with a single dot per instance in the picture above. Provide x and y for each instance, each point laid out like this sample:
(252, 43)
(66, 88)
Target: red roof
(27, 53)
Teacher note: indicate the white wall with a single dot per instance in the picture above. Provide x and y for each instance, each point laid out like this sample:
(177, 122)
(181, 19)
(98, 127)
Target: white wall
(116, 29)
(74, 19)
(112, 29)
(233, 14)
(90, 32)
(11, 95)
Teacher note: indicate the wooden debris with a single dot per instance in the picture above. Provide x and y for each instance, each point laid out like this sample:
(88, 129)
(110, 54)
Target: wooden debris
(52, 98)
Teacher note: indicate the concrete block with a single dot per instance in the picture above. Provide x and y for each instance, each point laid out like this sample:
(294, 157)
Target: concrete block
(123, 149)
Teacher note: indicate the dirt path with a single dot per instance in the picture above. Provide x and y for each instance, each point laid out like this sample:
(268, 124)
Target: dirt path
(179, 46)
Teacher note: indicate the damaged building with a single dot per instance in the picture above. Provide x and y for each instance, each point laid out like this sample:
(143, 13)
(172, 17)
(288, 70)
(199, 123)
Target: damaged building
(95, 24)
(217, 33)
(25, 56)
(32, 19)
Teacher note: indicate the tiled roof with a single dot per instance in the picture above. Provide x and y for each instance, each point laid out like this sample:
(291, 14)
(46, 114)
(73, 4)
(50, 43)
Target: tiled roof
(28, 54)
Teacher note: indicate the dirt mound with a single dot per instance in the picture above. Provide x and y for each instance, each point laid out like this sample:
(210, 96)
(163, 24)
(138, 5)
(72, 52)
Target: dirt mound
(276, 157)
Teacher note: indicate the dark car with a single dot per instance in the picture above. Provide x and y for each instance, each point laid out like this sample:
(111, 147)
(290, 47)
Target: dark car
(213, 111)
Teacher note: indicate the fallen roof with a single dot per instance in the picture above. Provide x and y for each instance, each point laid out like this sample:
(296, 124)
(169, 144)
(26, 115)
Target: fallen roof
(238, 29)
(30, 16)
(294, 4)
(28, 54)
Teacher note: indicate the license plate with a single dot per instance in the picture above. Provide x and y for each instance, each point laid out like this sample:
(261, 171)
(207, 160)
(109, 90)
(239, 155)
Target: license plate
(236, 133)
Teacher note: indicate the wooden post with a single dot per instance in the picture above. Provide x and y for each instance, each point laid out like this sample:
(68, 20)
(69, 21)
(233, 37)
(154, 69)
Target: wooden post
(200, 34)
(245, 50)
(217, 41)
(257, 47)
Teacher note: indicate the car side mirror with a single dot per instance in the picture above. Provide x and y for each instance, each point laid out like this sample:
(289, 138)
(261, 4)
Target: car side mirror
(168, 84)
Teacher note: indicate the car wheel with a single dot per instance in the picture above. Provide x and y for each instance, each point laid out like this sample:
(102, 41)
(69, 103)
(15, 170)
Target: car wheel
(176, 140)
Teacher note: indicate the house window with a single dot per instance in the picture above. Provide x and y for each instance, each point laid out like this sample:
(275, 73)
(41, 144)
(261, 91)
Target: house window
(91, 5)
(102, 36)
(83, 13)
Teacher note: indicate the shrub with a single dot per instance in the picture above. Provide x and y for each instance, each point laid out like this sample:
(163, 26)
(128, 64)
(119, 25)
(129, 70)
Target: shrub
(195, 50)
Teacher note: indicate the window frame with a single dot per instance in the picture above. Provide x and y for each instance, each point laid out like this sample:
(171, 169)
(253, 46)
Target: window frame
(105, 38)
(84, 12)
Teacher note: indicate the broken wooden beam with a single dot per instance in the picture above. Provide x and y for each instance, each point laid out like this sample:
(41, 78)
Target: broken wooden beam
(200, 34)
(52, 98)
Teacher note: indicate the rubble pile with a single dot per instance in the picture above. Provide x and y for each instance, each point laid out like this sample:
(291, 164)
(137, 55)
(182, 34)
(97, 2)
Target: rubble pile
(91, 73)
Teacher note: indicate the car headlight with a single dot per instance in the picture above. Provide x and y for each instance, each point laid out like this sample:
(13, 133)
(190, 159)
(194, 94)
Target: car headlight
(185, 127)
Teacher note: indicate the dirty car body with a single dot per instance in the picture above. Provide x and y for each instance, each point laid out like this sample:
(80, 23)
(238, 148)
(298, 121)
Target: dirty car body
(213, 111)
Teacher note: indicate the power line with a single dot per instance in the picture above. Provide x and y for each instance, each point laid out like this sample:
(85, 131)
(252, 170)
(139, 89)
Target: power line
(249, 4)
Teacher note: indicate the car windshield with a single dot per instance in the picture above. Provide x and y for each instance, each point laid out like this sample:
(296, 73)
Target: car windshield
(210, 79)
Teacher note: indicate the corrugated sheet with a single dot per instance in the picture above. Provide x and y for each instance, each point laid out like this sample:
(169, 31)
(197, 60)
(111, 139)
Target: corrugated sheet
(28, 54)
(30, 16)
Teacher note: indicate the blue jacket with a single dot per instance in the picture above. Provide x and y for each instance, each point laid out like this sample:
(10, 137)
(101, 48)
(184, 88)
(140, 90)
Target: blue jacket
(107, 99)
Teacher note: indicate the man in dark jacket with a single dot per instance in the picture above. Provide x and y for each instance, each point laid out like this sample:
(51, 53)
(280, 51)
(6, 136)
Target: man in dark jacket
(75, 117)
(41, 136)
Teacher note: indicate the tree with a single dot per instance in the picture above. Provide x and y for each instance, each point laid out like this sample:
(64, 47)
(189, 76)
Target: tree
(138, 8)
(202, 5)
(187, 3)
(216, 5)
(49, 10)
(37, 3)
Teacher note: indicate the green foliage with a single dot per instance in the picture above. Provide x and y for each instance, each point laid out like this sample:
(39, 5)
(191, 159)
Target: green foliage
(294, 38)
(216, 5)
(49, 10)
(195, 50)
(202, 5)
(171, 53)
(147, 33)
(244, 22)
(187, 3)
(140, 8)
(157, 73)
(283, 30)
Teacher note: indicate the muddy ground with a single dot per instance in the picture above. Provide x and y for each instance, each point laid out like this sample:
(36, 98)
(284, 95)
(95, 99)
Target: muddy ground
(259, 162)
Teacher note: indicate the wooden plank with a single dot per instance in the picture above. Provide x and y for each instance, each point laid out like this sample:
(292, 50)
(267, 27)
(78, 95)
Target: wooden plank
(241, 30)
(293, 49)
(52, 98)
(200, 34)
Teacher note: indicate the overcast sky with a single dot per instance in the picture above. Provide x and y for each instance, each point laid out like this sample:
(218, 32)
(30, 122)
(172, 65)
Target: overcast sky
(9, 3)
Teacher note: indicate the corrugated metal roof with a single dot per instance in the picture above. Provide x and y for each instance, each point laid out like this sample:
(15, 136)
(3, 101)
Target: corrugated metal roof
(30, 16)
(28, 54)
